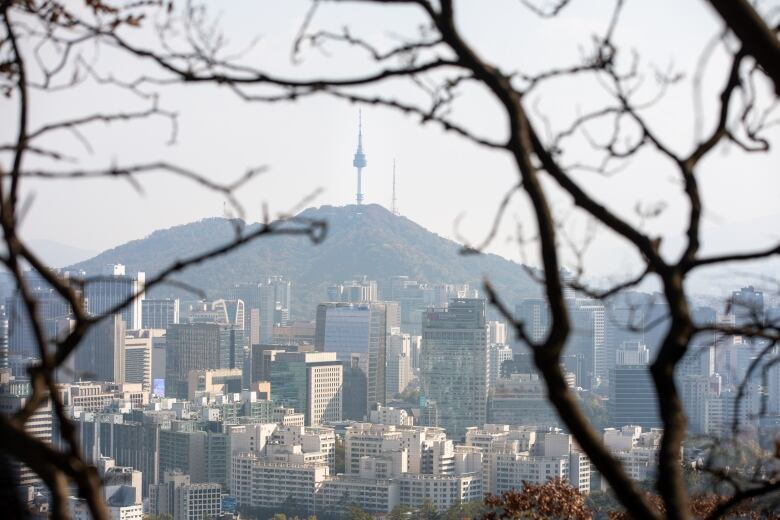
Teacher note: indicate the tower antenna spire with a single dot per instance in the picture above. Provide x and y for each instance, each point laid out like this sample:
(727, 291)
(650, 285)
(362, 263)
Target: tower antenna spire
(359, 160)
(395, 206)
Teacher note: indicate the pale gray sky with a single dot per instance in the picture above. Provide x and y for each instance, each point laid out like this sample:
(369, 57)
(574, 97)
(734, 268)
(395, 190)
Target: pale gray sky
(309, 144)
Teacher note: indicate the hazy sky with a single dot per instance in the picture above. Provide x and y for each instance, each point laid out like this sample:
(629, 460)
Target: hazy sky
(309, 145)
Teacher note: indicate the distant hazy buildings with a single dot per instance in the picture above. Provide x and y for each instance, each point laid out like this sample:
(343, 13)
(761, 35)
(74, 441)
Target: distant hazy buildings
(354, 291)
(414, 297)
(411, 296)
(597, 331)
(267, 303)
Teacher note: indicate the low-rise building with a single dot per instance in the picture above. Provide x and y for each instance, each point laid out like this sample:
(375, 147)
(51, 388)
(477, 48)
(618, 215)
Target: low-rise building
(182, 500)
(441, 490)
(389, 415)
(257, 482)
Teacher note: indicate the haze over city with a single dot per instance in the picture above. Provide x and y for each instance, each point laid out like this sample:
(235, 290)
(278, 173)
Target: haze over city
(308, 145)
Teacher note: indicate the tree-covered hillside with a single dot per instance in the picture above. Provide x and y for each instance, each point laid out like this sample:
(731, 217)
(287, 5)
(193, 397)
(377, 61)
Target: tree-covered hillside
(366, 240)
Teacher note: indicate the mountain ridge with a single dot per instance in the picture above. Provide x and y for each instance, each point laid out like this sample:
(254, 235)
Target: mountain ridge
(366, 239)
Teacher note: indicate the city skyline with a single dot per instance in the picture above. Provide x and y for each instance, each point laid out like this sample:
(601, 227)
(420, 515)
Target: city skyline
(552, 291)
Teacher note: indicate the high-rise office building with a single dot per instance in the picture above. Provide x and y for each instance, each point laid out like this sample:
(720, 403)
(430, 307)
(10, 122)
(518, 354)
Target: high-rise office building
(309, 382)
(355, 392)
(695, 391)
(101, 355)
(356, 329)
(138, 357)
(398, 374)
(623, 323)
(230, 316)
(361, 289)
(261, 357)
(587, 340)
(50, 307)
(455, 364)
(282, 289)
(632, 397)
(410, 295)
(588, 318)
(190, 346)
(114, 287)
(132, 443)
(158, 314)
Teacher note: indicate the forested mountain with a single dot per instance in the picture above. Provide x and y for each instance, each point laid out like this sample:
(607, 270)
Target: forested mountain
(366, 240)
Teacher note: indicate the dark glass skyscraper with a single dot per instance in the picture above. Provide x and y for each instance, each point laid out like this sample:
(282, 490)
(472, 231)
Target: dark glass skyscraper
(357, 333)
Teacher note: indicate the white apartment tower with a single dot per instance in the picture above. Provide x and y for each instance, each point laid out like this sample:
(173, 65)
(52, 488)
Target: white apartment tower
(138, 358)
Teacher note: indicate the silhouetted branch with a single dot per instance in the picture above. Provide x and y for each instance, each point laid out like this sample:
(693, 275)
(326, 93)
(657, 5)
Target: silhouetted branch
(756, 36)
